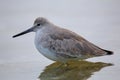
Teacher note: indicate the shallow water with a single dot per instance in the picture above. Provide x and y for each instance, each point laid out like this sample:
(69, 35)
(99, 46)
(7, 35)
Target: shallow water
(98, 21)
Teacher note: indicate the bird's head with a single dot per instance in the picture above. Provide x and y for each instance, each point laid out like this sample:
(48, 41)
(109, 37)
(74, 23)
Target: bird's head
(38, 24)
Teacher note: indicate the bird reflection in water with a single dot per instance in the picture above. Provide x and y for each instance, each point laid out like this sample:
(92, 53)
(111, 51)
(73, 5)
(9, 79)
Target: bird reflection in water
(77, 70)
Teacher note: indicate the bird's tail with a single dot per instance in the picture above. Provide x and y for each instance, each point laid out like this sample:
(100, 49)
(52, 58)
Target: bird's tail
(108, 52)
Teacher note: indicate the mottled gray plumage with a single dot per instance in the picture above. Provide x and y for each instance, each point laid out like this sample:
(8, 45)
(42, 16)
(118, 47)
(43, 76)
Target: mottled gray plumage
(60, 44)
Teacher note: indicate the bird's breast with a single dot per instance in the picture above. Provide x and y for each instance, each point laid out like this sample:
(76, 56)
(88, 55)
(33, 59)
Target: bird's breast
(40, 43)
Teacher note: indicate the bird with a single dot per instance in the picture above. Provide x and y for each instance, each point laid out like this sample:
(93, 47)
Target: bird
(60, 44)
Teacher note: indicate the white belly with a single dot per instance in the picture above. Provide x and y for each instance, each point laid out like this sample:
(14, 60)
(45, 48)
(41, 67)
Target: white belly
(46, 53)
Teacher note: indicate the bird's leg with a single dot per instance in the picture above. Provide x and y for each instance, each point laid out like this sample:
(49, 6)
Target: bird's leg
(63, 64)
(66, 64)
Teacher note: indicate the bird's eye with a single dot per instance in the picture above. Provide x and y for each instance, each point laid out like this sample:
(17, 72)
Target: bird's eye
(38, 24)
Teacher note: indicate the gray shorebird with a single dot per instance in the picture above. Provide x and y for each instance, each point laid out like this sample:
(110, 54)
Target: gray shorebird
(62, 45)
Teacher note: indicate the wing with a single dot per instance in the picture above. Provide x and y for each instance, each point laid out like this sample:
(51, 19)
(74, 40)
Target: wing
(70, 45)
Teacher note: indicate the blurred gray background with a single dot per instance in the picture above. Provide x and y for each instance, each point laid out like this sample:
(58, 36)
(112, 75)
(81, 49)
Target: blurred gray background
(96, 20)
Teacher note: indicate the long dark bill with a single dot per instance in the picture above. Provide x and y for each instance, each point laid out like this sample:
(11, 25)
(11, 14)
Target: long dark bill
(24, 32)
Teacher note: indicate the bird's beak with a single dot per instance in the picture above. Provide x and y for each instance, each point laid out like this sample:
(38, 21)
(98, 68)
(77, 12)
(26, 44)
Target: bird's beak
(24, 32)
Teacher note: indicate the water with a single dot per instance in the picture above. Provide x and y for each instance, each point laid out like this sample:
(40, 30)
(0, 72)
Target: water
(98, 21)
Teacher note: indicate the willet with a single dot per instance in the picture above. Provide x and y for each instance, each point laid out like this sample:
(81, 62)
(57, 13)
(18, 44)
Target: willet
(60, 44)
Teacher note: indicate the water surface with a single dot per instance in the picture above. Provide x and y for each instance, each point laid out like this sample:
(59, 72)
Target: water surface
(98, 21)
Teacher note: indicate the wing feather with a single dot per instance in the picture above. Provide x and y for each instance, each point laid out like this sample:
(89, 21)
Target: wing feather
(69, 44)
